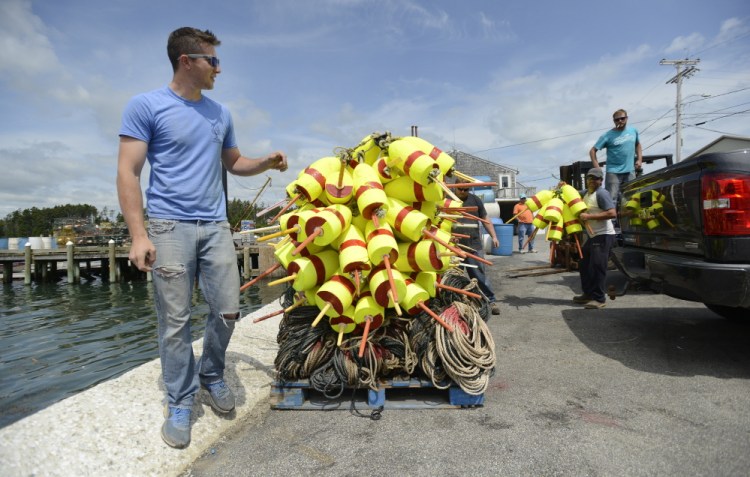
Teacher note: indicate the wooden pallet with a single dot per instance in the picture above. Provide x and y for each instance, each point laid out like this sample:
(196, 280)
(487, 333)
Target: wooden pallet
(413, 393)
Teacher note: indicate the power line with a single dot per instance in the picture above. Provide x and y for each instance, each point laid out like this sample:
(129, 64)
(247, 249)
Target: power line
(651, 121)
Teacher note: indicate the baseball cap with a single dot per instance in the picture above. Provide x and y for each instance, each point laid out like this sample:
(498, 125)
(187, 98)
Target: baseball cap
(522, 196)
(595, 172)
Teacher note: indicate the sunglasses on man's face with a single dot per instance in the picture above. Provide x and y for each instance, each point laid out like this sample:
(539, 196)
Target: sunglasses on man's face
(212, 60)
(620, 119)
(462, 189)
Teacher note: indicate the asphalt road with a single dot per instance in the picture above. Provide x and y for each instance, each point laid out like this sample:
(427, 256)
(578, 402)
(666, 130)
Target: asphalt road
(648, 386)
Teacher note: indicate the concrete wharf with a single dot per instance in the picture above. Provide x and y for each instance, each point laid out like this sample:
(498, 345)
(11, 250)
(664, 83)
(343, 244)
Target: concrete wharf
(111, 261)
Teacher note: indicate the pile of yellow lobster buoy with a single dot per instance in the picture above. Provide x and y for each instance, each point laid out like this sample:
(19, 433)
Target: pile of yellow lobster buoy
(558, 209)
(646, 207)
(370, 234)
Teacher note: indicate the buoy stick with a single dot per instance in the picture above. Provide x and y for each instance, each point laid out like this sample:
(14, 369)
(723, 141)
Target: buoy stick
(321, 315)
(666, 219)
(270, 315)
(460, 236)
(463, 177)
(460, 290)
(294, 305)
(307, 241)
(356, 282)
(472, 184)
(340, 182)
(531, 237)
(588, 227)
(286, 207)
(262, 229)
(474, 217)
(479, 259)
(466, 247)
(472, 208)
(445, 188)
(578, 245)
(281, 242)
(260, 277)
(280, 233)
(466, 226)
(445, 244)
(342, 326)
(435, 317)
(450, 216)
(391, 283)
(270, 208)
(395, 304)
(365, 333)
(552, 253)
(286, 279)
(516, 216)
(375, 220)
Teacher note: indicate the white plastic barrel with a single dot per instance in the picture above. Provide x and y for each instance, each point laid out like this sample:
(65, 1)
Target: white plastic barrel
(36, 243)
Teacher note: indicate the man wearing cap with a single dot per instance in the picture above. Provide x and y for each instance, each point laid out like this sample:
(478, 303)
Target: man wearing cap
(601, 237)
(476, 269)
(525, 217)
(623, 145)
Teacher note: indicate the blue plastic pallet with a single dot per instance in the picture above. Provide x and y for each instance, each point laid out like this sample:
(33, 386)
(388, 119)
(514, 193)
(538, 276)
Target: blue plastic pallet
(411, 393)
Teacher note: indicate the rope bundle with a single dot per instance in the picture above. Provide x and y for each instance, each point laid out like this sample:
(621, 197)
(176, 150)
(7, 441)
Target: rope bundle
(465, 356)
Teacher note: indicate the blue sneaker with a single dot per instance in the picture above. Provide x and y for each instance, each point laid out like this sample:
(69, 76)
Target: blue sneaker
(176, 428)
(220, 397)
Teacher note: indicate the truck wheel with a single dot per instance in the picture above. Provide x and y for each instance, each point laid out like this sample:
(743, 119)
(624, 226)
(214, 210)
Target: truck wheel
(740, 315)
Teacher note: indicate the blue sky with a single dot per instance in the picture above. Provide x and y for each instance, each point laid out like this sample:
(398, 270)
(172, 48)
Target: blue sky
(528, 84)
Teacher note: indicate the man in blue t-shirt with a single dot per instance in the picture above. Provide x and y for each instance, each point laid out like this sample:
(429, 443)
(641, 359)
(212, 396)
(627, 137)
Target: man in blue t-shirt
(186, 138)
(623, 145)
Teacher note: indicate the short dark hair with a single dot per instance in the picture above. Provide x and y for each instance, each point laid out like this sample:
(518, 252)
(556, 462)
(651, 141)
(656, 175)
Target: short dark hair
(620, 111)
(188, 40)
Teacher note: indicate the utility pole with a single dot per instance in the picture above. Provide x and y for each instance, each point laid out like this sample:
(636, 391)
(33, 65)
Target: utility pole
(689, 71)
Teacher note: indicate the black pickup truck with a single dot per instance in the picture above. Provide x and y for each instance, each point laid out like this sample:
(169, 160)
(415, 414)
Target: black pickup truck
(685, 231)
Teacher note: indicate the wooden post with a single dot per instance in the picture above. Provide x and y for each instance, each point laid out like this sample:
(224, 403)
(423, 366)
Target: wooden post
(27, 263)
(246, 266)
(112, 262)
(8, 272)
(267, 259)
(71, 262)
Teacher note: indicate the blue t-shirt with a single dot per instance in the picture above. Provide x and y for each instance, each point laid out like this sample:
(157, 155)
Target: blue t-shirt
(620, 147)
(185, 140)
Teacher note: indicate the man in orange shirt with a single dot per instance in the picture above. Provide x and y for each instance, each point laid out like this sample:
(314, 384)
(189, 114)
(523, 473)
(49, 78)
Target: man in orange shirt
(525, 228)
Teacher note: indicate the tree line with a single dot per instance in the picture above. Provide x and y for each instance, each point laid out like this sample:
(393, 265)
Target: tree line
(38, 222)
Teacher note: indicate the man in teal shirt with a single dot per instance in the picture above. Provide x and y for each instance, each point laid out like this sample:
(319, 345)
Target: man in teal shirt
(622, 144)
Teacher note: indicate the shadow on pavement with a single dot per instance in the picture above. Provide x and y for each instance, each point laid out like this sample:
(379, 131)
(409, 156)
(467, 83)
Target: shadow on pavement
(673, 341)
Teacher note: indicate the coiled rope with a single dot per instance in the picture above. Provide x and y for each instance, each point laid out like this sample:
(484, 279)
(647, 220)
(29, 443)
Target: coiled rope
(400, 347)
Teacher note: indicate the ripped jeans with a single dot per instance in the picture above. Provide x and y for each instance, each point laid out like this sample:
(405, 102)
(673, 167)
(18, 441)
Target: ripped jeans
(186, 250)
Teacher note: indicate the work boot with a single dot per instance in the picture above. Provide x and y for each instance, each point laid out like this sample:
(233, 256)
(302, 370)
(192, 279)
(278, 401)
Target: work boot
(582, 299)
(176, 428)
(495, 310)
(595, 305)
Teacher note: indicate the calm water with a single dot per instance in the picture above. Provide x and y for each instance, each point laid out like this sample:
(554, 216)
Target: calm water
(58, 339)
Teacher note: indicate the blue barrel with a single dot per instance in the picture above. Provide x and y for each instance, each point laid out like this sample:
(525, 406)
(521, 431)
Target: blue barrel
(504, 234)
(3, 243)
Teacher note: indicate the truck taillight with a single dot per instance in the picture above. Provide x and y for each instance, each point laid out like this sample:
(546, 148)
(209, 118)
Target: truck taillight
(726, 204)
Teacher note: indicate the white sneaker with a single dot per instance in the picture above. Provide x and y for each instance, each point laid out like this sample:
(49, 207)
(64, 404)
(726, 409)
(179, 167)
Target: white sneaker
(523, 251)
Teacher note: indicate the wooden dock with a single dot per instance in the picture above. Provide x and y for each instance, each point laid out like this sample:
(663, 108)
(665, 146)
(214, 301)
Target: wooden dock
(111, 262)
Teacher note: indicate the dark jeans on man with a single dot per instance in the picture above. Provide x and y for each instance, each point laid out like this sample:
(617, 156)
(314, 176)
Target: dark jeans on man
(479, 274)
(593, 266)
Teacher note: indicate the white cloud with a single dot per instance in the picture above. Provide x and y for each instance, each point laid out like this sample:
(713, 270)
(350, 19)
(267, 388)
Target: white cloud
(686, 45)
